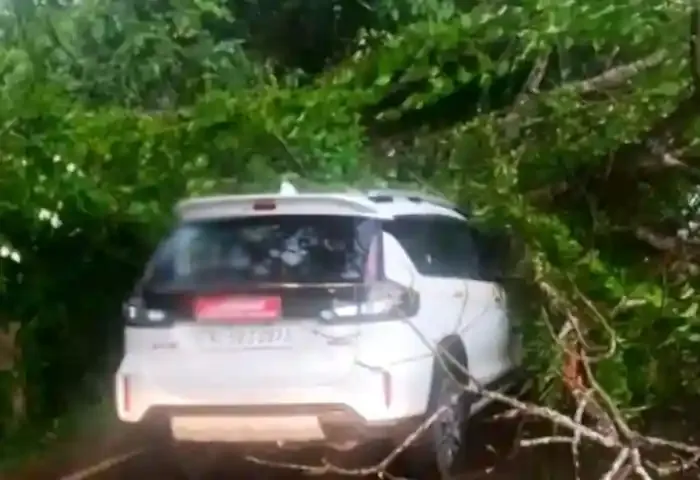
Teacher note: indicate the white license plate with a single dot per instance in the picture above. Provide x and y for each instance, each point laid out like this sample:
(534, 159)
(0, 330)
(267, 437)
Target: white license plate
(246, 429)
(243, 337)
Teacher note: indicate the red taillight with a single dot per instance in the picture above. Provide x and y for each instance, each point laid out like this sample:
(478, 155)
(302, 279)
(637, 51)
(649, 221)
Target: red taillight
(264, 205)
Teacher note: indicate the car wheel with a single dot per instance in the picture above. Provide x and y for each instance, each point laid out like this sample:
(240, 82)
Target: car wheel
(442, 449)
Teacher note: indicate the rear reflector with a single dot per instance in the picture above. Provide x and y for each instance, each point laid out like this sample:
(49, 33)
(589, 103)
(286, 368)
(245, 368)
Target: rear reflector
(126, 393)
(237, 309)
(387, 387)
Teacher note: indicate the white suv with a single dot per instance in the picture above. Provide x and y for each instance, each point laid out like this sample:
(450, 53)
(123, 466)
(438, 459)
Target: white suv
(300, 318)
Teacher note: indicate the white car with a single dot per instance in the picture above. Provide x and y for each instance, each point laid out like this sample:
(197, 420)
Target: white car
(300, 319)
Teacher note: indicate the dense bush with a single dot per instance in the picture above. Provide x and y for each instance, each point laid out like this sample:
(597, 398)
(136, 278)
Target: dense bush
(574, 125)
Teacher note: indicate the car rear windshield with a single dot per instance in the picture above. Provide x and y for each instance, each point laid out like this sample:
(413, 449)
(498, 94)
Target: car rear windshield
(268, 249)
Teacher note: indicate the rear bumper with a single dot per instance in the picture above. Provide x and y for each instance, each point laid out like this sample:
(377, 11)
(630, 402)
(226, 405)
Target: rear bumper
(337, 424)
(365, 403)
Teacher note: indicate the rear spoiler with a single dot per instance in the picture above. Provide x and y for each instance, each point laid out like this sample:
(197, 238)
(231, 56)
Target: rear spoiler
(276, 204)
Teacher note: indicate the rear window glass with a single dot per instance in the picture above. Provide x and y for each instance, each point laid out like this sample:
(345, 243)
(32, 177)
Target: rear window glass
(268, 249)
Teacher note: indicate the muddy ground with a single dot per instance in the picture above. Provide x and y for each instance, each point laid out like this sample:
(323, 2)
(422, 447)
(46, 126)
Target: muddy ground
(134, 454)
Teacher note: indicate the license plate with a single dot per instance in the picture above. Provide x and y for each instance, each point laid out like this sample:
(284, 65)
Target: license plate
(243, 338)
(237, 309)
(246, 429)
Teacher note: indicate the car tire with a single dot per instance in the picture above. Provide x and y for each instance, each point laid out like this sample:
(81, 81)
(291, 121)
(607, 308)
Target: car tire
(441, 451)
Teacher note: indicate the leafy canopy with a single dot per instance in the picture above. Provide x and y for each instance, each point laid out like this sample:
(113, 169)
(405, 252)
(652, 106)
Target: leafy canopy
(571, 124)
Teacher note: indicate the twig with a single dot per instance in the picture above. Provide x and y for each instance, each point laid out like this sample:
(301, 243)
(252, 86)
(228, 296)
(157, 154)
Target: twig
(661, 442)
(619, 462)
(327, 467)
(533, 442)
(638, 467)
(578, 417)
(683, 466)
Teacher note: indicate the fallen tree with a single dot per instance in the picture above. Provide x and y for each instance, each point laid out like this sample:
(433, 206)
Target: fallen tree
(579, 138)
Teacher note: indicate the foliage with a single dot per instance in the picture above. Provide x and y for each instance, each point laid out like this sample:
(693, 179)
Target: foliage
(571, 124)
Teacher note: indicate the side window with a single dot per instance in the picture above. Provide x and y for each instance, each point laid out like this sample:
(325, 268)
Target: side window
(438, 246)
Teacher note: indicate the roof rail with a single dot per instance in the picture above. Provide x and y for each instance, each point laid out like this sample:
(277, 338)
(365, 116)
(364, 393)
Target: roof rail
(415, 195)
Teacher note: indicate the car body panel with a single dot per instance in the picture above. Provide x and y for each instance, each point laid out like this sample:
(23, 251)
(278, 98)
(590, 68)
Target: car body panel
(486, 331)
(175, 379)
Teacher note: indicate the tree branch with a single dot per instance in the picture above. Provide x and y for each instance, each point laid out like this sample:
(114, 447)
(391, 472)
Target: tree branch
(617, 76)
(526, 103)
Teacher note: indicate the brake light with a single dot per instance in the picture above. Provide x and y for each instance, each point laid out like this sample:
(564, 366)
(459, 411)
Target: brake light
(264, 205)
(385, 300)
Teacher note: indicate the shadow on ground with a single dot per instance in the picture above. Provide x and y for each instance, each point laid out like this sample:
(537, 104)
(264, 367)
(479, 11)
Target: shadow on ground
(130, 454)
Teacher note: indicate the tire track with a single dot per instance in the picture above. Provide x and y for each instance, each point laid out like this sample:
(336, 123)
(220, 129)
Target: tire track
(159, 464)
(104, 466)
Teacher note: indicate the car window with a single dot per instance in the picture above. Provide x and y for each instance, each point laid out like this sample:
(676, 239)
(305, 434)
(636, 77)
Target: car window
(438, 246)
(268, 249)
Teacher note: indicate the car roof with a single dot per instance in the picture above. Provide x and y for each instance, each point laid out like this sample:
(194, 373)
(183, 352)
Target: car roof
(383, 203)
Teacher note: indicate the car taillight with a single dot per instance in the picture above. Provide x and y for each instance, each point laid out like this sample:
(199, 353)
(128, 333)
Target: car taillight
(136, 314)
(264, 205)
(384, 300)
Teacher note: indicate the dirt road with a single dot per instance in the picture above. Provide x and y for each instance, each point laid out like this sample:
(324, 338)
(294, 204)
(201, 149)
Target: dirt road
(119, 453)
(155, 464)
(132, 455)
